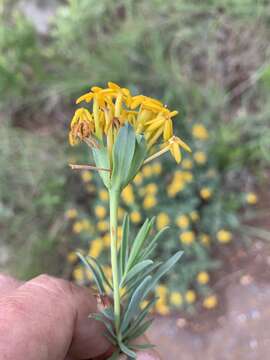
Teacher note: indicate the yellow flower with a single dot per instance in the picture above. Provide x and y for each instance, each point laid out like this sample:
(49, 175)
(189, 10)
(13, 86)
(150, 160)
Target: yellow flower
(86, 176)
(128, 195)
(190, 296)
(251, 198)
(205, 239)
(103, 226)
(203, 277)
(151, 189)
(182, 221)
(90, 188)
(72, 257)
(199, 132)
(157, 168)
(71, 213)
(200, 157)
(112, 108)
(138, 179)
(176, 298)
(103, 195)
(187, 237)
(187, 164)
(149, 201)
(78, 274)
(210, 302)
(175, 144)
(161, 291)
(162, 220)
(224, 236)
(77, 227)
(100, 211)
(135, 216)
(206, 193)
(106, 240)
(187, 176)
(96, 246)
(147, 171)
(119, 232)
(194, 216)
(162, 308)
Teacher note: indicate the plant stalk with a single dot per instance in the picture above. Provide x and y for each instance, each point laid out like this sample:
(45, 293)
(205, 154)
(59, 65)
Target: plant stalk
(114, 202)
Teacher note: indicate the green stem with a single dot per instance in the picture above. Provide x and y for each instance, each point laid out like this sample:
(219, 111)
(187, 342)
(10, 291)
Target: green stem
(114, 201)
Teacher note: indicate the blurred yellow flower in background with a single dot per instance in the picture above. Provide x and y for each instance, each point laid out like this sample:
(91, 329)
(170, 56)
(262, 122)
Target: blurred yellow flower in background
(224, 236)
(205, 193)
(176, 298)
(147, 171)
(210, 302)
(151, 189)
(162, 220)
(138, 179)
(194, 215)
(78, 274)
(149, 201)
(135, 216)
(190, 296)
(77, 227)
(96, 246)
(128, 195)
(203, 277)
(103, 225)
(72, 257)
(251, 198)
(157, 168)
(187, 237)
(86, 176)
(161, 291)
(200, 157)
(182, 221)
(187, 164)
(103, 195)
(71, 213)
(205, 239)
(199, 132)
(100, 211)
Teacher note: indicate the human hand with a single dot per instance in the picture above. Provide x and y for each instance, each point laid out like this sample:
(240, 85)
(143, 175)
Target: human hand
(47, 319)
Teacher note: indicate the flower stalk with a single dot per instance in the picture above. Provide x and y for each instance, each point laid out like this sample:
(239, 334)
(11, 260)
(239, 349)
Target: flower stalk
(114, 202)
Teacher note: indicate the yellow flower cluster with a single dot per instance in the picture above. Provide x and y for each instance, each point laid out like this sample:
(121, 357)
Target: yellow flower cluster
(224, 236)
(179, 181)
(114, 107)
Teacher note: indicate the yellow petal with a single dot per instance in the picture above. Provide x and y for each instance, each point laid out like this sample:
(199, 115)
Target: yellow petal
(173, 113)
(183, 144)
(113, 86)
(86, 97)
(168, 130)
(96, 88)
(175, 151)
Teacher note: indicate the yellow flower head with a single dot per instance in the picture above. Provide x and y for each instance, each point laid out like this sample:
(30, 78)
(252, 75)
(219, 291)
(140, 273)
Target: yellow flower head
(103, 195)
(187, 237)
(190, 296)
(224, 236)
(103, 225)
(200, 157)
(72, 257)
(86, 176)
(205, 239)
(194, 216)
(157, 168)
(78, 274)
(135, 216)
(182, 221)
(151, 188)
(71, 213)
(251, 198)
(199, 132)
(78, 227)
(210, 302)
(161, 291)
(100, 211)
(176, 298)
(203, 277)
(96, 246)
(149, 201)
(205, 193)
(112, 108)
(162, 220)
(128, 195)
(187, 164)
(138, 179)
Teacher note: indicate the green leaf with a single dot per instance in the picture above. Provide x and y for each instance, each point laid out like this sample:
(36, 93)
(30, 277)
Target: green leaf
(134, 271)
(108, 324)
(135, 283)
(164, 268)
(101, 158)
(97, 278)
(100, 272)
(108, 313)
(134, 326)
(127, 351)
(124, 245)
(137, 347)
(138, 242)
(115, 356)
(134, 304)
(140, 330)
(122, 155)
(140, 155)
(150, 248)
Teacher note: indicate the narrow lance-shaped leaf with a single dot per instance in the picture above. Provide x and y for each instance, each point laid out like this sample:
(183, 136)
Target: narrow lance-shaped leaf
(133, 272)
(97, 278)
(127, 351)
(124, 245)
(100, 272)
(151, 246)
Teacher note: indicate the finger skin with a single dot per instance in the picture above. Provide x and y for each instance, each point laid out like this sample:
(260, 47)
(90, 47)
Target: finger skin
(46, 319)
